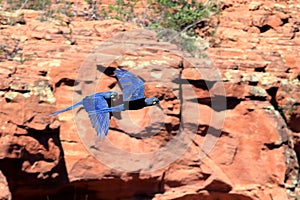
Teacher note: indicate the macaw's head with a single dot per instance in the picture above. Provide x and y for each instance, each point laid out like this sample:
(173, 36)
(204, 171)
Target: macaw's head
(151, 101)
(110, 95)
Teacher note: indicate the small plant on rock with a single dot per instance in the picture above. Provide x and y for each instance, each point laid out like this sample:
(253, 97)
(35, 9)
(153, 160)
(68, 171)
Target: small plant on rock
(10, 50)
(122, 10)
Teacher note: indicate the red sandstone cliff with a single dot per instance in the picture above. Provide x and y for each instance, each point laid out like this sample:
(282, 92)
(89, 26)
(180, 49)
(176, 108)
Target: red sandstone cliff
(255, 51)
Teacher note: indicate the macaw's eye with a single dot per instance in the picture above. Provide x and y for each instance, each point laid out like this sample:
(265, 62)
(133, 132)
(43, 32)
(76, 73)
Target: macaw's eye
(113, 95)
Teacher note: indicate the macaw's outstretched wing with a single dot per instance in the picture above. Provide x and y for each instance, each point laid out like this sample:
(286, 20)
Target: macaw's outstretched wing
(132, 86)
(100, 120)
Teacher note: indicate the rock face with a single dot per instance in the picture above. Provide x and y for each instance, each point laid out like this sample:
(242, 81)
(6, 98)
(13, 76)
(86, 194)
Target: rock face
(262, 46)
(225, 130)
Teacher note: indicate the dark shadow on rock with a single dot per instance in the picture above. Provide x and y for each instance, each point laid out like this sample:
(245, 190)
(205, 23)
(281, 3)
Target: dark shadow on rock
(273, 93)
(201, 84)
(25, 185)
(214, 195)
(109, 71)
(205, 129)
(256, 98)
(108, 189)
(66, 81)
(218, 103)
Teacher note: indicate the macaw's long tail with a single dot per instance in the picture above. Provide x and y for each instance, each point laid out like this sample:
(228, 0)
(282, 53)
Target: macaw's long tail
(66, 109)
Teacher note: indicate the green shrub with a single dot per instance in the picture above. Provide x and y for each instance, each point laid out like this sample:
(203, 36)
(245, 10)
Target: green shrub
(29, 4)
(176, 15)
(180, 14)
(63, 8)
(122, 10)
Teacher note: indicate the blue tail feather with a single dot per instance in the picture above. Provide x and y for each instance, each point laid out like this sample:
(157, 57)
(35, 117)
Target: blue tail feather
(66, 109)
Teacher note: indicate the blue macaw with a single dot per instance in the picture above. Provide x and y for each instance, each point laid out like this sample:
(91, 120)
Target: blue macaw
(94, 102)
(133, 93)
(133, 99)
(99, 98)
(97, 107)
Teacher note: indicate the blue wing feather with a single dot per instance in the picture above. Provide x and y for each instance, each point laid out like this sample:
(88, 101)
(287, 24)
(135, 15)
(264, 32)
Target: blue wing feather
(102, 124)
(132, 86)
(97, 108)
(100, 120)
(94, 103)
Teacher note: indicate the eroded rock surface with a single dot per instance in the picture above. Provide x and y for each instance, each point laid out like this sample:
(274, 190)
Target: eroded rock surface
(225, 131)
